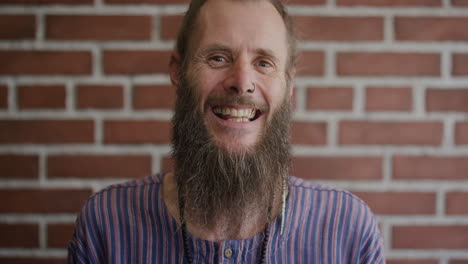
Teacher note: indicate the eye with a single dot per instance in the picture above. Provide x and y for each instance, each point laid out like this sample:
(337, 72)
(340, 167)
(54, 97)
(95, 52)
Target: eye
(218, 58)
(217, 61)
(264, 64)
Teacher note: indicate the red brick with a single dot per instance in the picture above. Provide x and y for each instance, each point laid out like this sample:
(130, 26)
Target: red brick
(41, 96)
(459, 3)
(330, 98)
(32, 260)
(390, 133)
(458, 261)
(137, 132)
(136, 62)
(400, 203)
(461, 133)
(389, 99)
(14, 166)
(97, 27)
(58, 235)
(43, 201)
(167, 164)
(147, 1)
(98, 166)
(456, 203)
(389, 3)
(339, 28)
(16, 62)
(46, 131)
(460, 64)
(388, 64)
(19, 236)
(337, 168)
(455, 100)
(3, 96)
(308, 133)
(422, 237)
(170, 25)
(430, 167)
(99, 96)
(412, 261)
(311, 63)
(17, 26)
(40, 2)
(154, 97)
(431, 28)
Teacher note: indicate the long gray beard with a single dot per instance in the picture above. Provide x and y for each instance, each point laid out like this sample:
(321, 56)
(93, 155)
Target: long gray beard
(215, 185)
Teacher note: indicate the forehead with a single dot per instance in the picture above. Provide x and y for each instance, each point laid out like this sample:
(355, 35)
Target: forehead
(252, 25)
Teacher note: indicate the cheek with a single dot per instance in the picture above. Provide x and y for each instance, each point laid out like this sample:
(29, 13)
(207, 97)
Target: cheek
(275, 92)
(207, 84)
(210, 82)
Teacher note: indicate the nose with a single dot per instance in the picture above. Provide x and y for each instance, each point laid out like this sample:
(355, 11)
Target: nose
(240, 79)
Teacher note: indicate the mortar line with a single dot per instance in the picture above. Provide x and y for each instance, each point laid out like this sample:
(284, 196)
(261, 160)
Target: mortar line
(13, 102)
(388, 30)
(359, 100)
(440, 203)
(42, 234)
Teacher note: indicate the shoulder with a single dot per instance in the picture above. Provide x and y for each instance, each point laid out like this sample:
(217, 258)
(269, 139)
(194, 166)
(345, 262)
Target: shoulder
(309, 189)
(109, 212)
(153, 181)
(338, 214)
(122, 195)
(325, 201)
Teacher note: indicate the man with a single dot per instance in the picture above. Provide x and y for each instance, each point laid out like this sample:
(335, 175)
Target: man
(229, 199)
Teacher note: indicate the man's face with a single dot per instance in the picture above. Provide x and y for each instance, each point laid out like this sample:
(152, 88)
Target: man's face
(238, 62)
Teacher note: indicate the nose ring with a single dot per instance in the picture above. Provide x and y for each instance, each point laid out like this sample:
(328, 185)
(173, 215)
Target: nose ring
(253, 84)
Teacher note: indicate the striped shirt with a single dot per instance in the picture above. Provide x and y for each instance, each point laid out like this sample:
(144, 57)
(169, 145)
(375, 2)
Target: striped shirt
(130, 223)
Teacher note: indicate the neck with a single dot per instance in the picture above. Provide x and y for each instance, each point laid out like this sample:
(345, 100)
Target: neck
(222, 228)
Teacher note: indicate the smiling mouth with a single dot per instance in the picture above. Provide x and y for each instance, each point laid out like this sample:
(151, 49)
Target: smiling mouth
(236, 114)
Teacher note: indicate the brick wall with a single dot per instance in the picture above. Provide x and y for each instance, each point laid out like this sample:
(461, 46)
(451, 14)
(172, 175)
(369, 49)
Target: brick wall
(381, 109)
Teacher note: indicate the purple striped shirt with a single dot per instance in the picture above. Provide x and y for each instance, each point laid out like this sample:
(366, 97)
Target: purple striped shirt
(129, 223)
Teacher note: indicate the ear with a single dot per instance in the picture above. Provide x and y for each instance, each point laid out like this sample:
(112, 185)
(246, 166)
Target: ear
(292, 74)
(174, 68)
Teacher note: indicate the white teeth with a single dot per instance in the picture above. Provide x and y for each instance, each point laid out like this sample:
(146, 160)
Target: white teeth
(237, 115)
(252, 114)
(239, 119)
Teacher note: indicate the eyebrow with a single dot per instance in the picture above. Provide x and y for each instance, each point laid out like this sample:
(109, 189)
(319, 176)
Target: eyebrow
(267, 53)
(215, 47)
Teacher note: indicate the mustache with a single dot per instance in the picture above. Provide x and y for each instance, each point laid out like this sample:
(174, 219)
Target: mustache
(246, 101)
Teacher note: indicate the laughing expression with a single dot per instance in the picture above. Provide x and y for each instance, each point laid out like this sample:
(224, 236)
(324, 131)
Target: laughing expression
(238, 62)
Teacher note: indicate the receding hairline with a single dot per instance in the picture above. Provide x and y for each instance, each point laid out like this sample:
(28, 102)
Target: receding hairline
(191, 21)
(196, 22)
